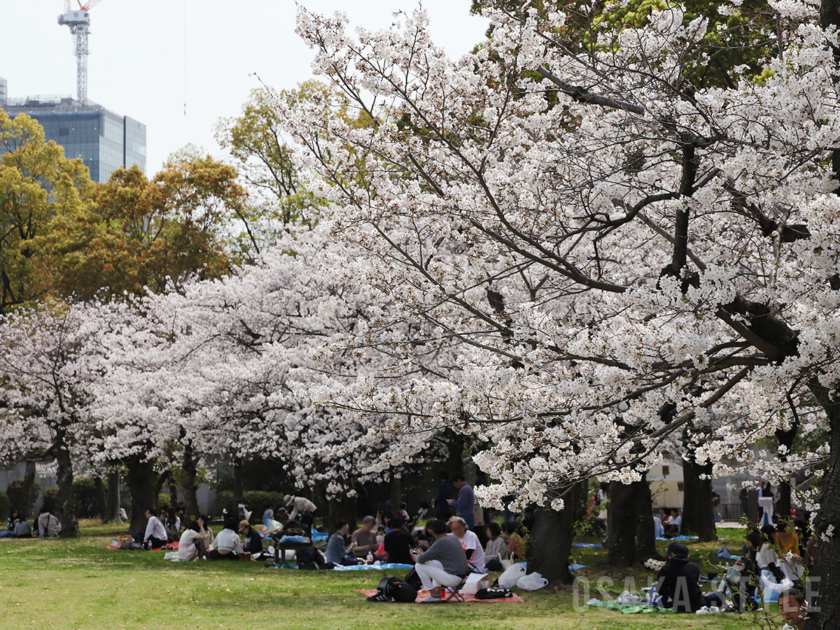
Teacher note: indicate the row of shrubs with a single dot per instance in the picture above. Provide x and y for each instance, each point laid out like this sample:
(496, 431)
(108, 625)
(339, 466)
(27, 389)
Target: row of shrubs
(84, 493)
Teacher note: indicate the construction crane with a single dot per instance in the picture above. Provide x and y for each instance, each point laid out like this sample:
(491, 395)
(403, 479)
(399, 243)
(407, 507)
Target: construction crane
(79, 23)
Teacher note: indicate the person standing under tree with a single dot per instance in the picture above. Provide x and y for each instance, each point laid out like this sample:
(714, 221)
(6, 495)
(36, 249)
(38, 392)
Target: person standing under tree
(465, 503)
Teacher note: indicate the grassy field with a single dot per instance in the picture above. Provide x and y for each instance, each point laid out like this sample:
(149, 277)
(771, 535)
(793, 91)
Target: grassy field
(78, 584)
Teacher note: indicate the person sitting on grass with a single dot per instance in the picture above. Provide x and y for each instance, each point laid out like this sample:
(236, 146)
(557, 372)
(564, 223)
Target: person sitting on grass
(398, 543)
(496, 549)
(794, 609)
(424, 538)
(516, 544)
(365, 538)
(206, 539)
(155, 535)
(469, 542)
(678, 583)
(227, 545)
(444, 564)
(253, 540)
(171, 523)
(48, 525)
(9, 532)
(188, 544)
(336, 550)
(23, 529)
(674, 525)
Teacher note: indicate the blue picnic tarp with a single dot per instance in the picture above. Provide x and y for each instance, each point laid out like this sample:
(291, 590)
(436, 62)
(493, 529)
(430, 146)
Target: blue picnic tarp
(588, 545)
(681, 537)
(391, 566)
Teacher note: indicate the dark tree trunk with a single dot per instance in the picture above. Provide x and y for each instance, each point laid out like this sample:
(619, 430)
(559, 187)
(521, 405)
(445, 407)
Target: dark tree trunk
(550, 544)
(66, 504)
(238, 480)
(28, 488)
(786, 439)
(645, 532)
(395, 492)
(142, 483)
(173, 492)
(341, 508)
(190, 483)
(455, 458)
(698, 507)
(752, 506)
(824, 604)
(622, 523)
(112, 509)
(101, 499)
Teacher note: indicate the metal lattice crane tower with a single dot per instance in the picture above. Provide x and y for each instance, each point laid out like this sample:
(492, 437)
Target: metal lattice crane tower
(79, 23)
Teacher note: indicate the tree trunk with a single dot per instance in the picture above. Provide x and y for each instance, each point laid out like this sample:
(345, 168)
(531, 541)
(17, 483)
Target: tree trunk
(395, 491)
(698, 507)
(824, 602)
(455, 458)
(238, 480)
(786, 439)
(66, 504)
(28, 487)
(112, 499)
(190, 483)
(550, 544)
(142, 483)
(622, 524)
(173, 492)
(341, 508)
(645, 531)
(101, 498)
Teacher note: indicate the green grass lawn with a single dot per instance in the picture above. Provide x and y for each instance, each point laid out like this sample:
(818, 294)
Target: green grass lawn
(78, 584)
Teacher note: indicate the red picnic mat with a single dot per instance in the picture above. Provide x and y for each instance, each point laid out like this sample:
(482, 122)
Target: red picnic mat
(169, 547)
(515, 599)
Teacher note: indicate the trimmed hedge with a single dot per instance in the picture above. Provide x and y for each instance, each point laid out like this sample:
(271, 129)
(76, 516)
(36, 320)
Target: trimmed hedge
(15, 493)
(5, 508)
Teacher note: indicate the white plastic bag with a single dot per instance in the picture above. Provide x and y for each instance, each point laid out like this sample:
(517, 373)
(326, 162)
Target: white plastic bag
(770, 588)
(531, 582)
(511, 576)
(630, 599)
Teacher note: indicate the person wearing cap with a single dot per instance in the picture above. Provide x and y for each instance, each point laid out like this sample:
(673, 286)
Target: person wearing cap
(253, 541)
(227, 545)
(301, 506)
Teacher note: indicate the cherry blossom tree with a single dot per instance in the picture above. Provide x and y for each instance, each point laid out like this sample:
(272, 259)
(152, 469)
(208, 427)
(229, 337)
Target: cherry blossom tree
(618, 254)
(45, 392)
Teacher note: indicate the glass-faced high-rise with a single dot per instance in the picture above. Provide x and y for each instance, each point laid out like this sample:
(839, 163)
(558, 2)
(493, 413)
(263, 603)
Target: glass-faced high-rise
(104, 140)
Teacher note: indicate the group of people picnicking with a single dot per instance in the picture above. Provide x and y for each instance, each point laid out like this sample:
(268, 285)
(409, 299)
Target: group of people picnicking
(778, 553)
(18, 525)
(237, 539)
(393, 537)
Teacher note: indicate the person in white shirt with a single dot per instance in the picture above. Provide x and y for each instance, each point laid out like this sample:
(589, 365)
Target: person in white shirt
(227, 545)
(469, 541)
(187, 549)
(155, 536)
(300, 506)
(48, 525)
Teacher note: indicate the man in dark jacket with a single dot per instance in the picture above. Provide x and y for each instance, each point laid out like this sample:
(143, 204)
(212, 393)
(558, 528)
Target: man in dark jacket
(678, 583)
(442, 510)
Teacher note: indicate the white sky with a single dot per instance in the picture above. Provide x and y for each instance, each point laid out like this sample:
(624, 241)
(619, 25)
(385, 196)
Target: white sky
(140, 67)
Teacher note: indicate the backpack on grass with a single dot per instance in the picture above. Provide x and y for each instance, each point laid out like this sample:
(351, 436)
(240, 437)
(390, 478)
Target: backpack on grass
(392, 589)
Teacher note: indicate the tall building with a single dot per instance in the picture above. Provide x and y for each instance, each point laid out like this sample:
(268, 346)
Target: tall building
(104, 140)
